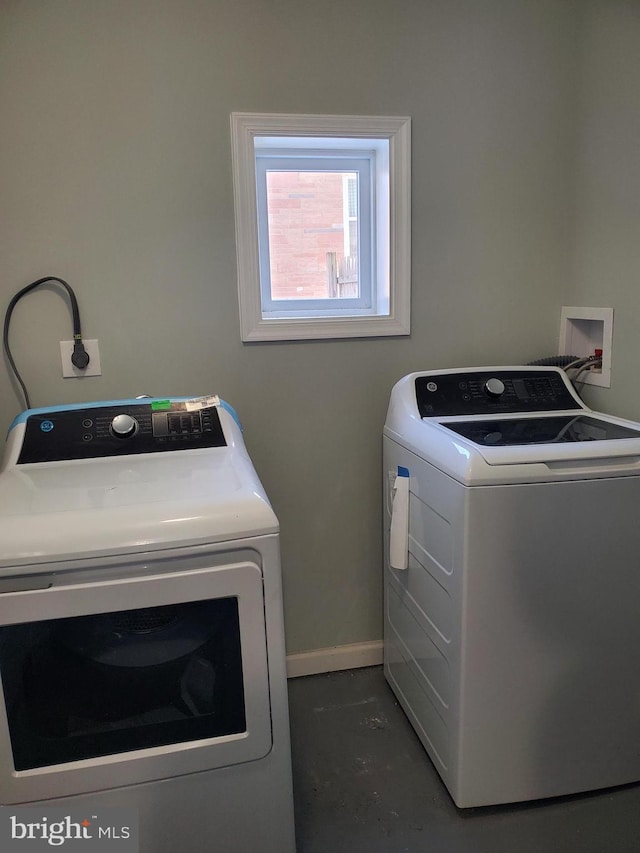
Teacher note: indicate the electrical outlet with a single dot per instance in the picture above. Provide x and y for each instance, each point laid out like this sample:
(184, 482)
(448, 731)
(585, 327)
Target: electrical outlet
(70, 370)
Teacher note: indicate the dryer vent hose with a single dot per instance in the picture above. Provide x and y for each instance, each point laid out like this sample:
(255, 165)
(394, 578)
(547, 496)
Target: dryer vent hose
(553, 361)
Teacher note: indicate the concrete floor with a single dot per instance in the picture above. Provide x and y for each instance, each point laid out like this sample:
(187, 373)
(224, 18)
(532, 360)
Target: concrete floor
(364, 784)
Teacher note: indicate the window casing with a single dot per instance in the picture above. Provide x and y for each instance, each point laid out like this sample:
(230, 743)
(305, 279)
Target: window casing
(362, 288)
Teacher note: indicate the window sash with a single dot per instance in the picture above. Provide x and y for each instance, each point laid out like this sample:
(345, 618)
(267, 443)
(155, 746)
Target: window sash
(337, 161)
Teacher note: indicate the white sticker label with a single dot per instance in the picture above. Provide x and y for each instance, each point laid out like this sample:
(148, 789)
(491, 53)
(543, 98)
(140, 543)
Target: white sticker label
(202, 403)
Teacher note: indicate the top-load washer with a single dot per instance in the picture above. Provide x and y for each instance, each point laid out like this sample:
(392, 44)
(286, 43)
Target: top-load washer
(141, 633)
(512, 582)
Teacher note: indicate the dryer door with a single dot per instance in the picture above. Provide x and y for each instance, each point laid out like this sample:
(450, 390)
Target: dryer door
(115, 682)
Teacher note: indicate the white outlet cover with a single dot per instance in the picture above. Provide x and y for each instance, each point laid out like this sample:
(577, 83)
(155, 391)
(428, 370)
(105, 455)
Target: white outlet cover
(69, 370)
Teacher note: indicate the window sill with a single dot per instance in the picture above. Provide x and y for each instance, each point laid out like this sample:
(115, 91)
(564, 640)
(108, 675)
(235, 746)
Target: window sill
(312, 328)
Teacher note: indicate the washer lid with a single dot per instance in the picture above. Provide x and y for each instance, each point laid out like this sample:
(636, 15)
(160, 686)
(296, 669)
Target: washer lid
(74, 509)
(555, 429)
(518, 439)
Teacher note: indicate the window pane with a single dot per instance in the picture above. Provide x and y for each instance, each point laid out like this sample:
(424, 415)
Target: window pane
(313, 227)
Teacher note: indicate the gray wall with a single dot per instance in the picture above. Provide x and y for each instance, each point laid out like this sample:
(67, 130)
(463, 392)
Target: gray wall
(606, 245)
(115, 173)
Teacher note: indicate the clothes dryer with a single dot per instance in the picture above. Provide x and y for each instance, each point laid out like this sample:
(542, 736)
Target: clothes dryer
(512, 590)
(141, 631)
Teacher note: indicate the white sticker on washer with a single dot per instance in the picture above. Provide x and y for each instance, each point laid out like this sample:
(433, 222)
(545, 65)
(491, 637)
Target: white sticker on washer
(202, 403)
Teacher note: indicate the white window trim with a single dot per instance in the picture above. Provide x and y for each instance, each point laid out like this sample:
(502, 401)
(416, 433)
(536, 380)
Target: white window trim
(393, 319)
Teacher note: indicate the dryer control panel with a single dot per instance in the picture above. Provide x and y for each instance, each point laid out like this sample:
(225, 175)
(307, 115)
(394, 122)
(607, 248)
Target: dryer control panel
(487, 392)
(119, 429)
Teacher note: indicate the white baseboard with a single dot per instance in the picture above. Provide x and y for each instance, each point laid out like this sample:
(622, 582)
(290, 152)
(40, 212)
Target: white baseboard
(334, 659)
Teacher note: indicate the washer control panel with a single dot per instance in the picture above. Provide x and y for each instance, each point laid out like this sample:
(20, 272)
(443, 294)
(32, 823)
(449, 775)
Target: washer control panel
(119, 429)
(485, 393)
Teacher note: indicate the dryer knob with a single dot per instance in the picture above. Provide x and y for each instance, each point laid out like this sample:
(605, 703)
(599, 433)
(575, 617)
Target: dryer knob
(494, 387)
(124, 426)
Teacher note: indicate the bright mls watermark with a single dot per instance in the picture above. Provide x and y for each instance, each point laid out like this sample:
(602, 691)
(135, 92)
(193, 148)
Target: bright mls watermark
(35, 829)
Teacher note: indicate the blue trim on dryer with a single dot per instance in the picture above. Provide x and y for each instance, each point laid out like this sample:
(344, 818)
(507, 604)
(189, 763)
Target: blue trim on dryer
(70, 407)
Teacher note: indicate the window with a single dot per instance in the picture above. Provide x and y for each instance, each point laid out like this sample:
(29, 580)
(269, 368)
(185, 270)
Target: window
(301, 232)
(322, 225)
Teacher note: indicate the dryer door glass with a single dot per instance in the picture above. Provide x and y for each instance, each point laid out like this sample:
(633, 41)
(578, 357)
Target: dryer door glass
(96, 685)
